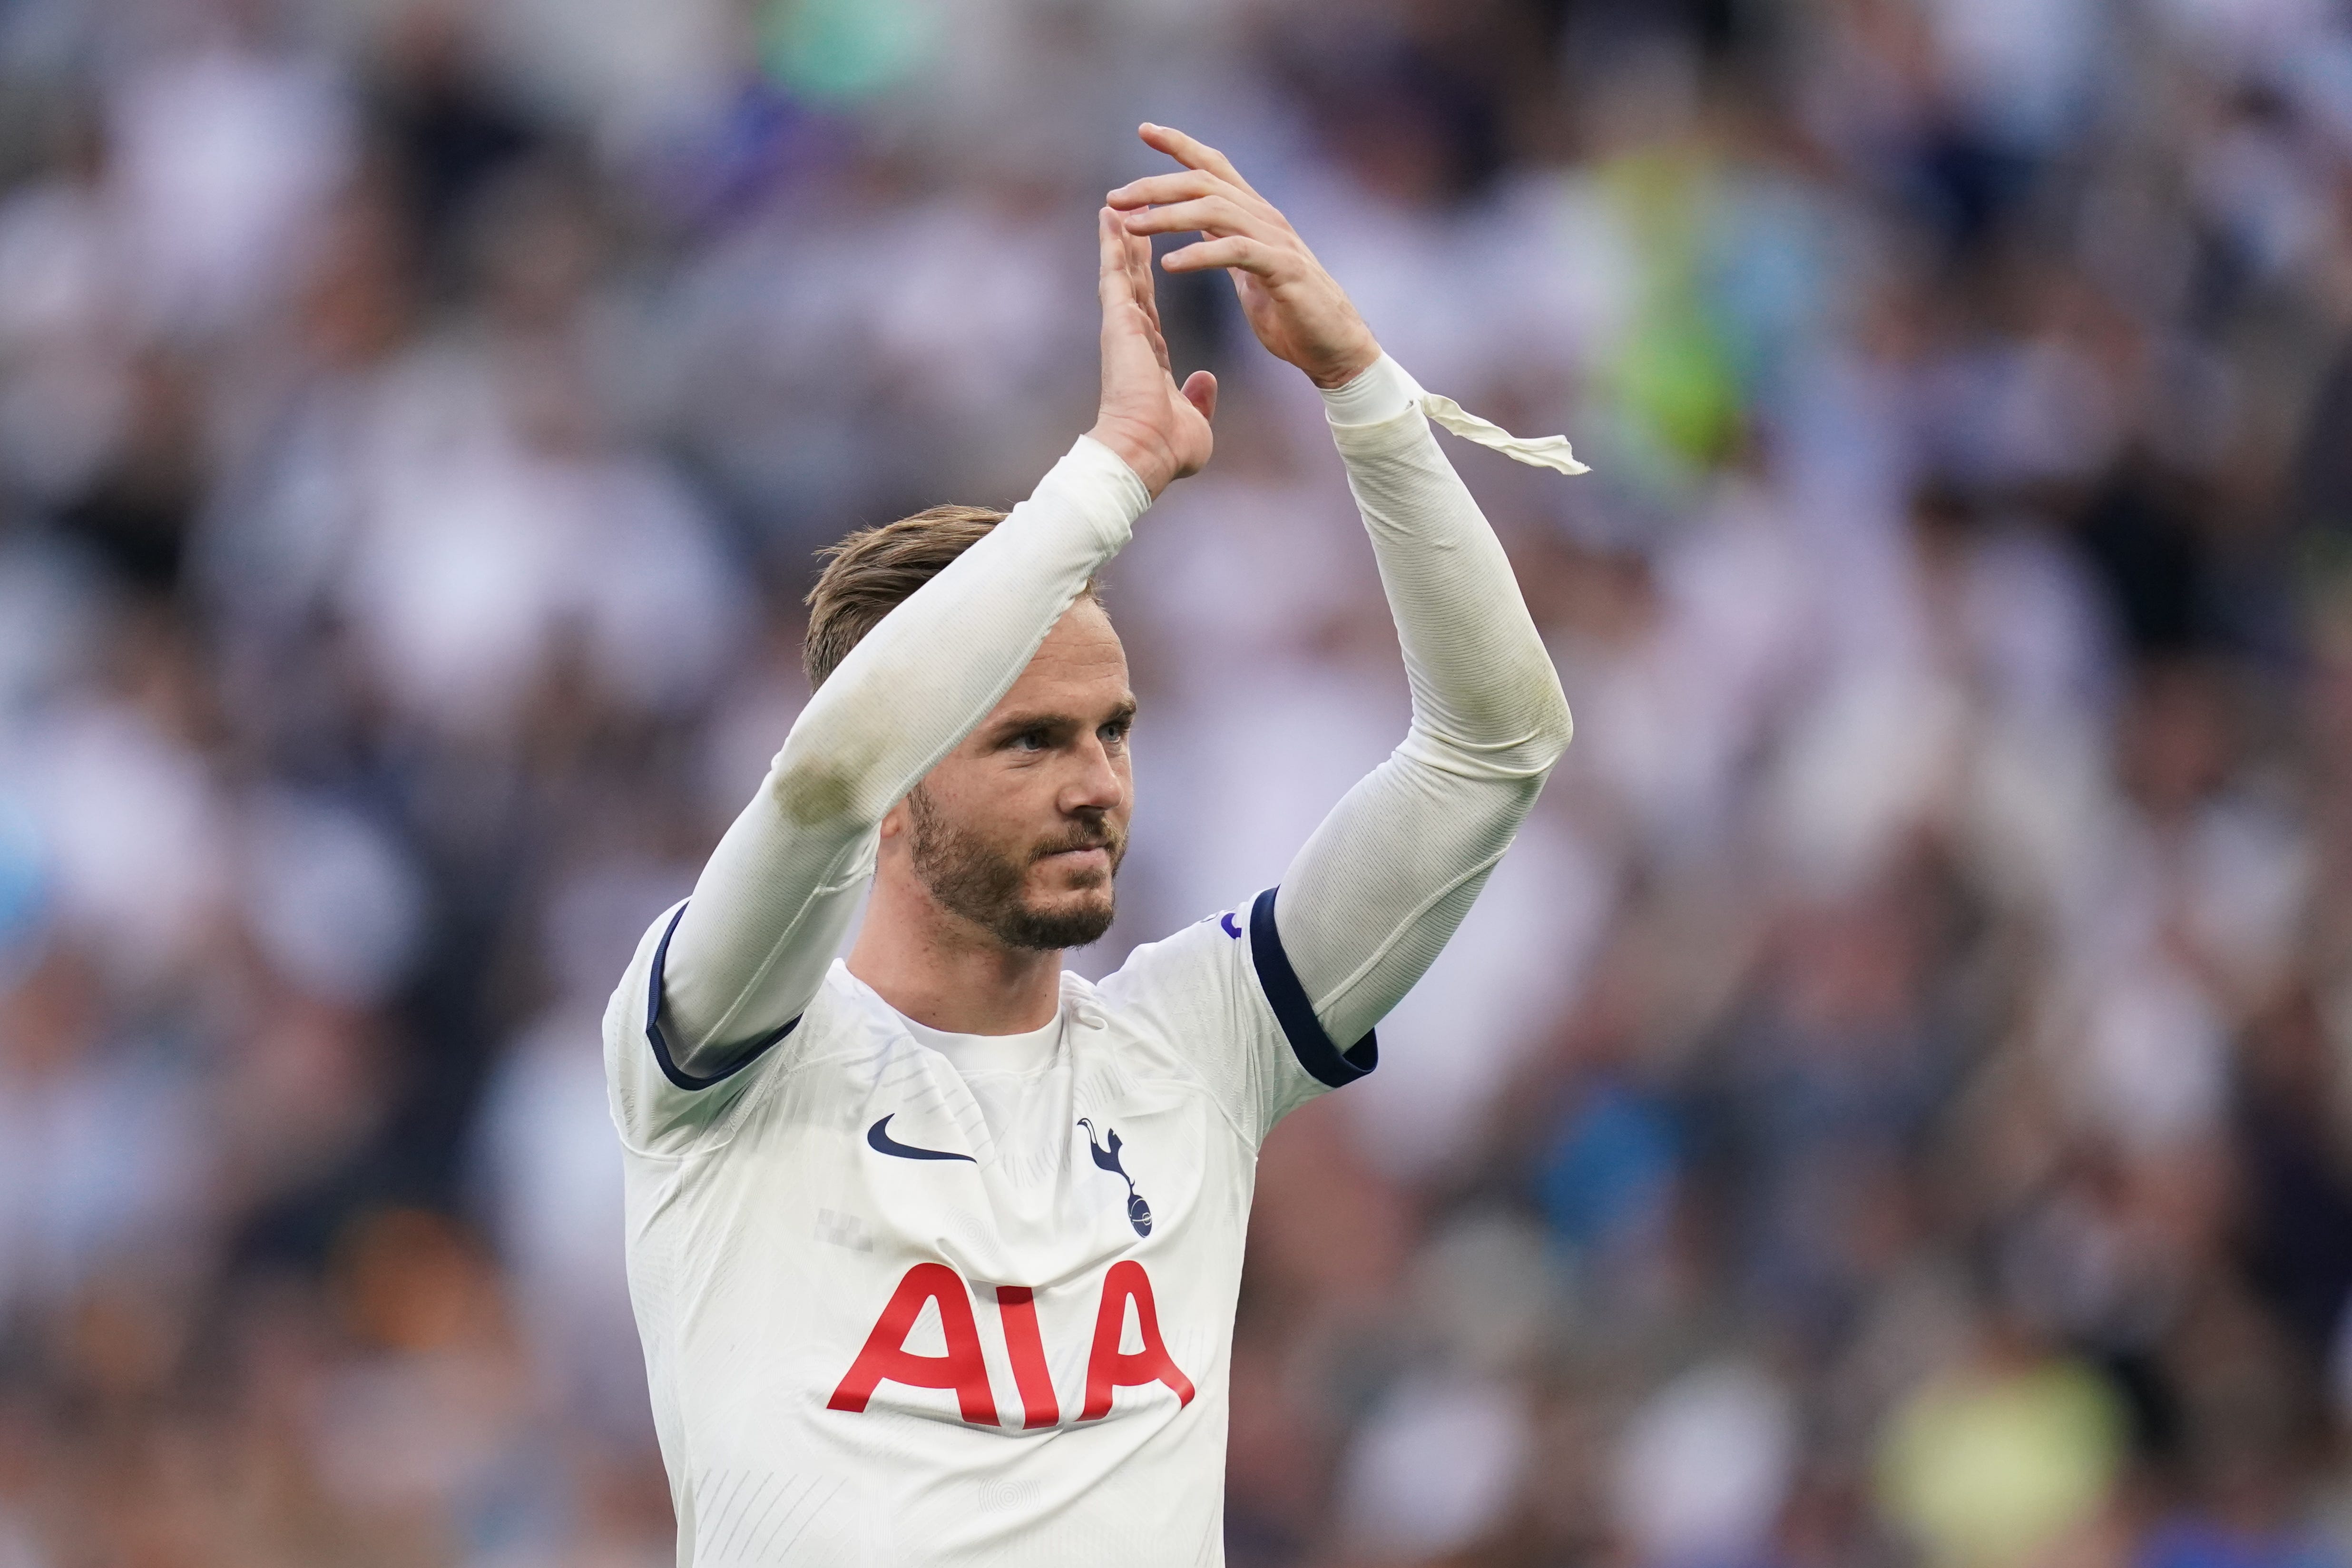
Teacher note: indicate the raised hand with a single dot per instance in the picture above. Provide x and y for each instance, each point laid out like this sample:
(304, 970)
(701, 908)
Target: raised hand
(1298, 310)
(1160, 430)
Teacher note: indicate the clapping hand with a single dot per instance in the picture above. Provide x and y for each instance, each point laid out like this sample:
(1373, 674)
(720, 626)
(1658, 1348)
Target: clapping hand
(1158, 429)
(1297, 310)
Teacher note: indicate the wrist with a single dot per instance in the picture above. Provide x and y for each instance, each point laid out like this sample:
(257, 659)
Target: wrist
(1341, 369)
(1146, 457)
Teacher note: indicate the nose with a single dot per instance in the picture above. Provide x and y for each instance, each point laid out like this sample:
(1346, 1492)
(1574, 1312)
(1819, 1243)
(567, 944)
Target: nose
(1099, 786)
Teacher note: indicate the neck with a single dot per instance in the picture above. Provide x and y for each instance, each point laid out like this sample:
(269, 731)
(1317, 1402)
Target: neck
(940, 968)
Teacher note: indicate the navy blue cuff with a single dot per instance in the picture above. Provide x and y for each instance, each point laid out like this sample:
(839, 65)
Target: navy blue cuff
(670, 1069)
(1323, 1060)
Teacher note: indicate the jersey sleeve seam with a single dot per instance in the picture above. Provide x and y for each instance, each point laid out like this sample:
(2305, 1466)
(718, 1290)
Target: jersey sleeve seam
(1183, 1070)
(767, 1084)
(700, 1146)
(1188, 1078)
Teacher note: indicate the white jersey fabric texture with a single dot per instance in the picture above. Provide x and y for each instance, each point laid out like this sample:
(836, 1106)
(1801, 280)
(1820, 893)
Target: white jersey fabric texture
(916, 1298)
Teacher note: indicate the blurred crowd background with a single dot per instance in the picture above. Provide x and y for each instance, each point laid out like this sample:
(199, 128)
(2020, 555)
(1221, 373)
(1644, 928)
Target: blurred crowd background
(1893, 1110)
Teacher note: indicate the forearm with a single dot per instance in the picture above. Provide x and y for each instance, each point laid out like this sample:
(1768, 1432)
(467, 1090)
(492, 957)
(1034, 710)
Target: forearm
(1485, 698)
(775, 898)
(1383, 883)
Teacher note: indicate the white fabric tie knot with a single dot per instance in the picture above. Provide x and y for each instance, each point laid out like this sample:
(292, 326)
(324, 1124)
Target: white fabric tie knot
(1386, 389)
(1535, 451)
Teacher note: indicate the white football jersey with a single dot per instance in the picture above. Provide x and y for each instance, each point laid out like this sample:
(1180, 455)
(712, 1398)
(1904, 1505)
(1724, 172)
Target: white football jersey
(919, 1299)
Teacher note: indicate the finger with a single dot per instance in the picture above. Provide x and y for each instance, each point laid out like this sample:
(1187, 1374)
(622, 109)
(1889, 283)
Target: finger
(1113, 283)
(1146, 295)
(1201, 392)
(1238, 251)
(1158, 190)
(1136, 253)
(1209, 214)
(1192, 153)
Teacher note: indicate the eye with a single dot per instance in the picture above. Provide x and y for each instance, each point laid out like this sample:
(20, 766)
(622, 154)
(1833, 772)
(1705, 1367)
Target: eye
(1115, 732)
(1031, 741)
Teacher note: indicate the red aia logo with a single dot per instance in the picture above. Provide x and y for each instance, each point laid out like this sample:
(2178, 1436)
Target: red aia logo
(886, 1358)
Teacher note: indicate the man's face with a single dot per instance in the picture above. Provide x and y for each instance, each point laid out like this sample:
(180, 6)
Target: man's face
(1020, 827)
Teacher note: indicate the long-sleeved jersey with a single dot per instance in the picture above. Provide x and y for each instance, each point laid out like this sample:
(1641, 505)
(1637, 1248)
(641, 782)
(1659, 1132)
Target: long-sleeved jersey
(917, 1298)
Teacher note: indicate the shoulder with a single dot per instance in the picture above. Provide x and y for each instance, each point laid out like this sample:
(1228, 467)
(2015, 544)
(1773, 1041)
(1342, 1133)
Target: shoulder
(1219, 999)
(1209, 950)
(1231, 968)
(662, 1110)
(1195, 981)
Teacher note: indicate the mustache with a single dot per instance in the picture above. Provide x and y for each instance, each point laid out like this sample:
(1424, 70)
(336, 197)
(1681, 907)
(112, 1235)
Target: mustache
(1100, 836)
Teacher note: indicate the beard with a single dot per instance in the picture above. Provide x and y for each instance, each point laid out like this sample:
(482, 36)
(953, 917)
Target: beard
(986, 884)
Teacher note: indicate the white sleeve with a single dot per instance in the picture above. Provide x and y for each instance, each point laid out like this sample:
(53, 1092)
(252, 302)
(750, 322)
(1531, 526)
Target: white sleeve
(731, 970)
(1386, 878)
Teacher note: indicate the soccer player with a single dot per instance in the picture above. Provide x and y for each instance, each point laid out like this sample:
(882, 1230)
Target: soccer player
(935, 1252)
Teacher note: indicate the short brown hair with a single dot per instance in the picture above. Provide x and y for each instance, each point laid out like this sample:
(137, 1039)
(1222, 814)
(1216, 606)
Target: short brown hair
(875, 569)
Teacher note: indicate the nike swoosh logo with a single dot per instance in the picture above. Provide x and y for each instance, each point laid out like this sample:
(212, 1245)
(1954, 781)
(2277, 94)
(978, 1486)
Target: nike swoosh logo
(878, 1139)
